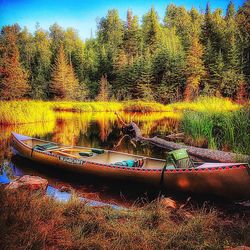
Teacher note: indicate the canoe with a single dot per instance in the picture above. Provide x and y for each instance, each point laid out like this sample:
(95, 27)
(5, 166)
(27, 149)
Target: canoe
(230, 180)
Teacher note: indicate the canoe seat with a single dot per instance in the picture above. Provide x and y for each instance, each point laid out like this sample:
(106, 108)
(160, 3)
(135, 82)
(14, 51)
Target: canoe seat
(46, 146)
(93, 151)
(130, 163)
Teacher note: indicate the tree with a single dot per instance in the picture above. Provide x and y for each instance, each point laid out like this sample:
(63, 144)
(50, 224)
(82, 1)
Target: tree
(243, 23)
(151, 30)
(182, 21)
(194, 69)
(57, 36)
(40, 68)
(144, 89)
(233, 77)
(103, 95)
(64, 84)
(132, 37)
(13, 84)
(213, 87)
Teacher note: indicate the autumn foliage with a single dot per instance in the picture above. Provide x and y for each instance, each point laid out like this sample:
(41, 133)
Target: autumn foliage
(13, 78)
(64, 84)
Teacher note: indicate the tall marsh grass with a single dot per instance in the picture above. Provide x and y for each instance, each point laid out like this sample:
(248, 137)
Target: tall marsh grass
(18, 112)
(140, 106)
(226, 130)
(128, 106)
(207, 104)
(86, 106)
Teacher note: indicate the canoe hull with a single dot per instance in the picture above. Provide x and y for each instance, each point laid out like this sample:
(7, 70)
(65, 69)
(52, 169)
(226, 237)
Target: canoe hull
(231, 182)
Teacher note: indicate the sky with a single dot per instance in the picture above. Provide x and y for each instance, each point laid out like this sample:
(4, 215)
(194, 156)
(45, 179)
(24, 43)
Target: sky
(83, 14)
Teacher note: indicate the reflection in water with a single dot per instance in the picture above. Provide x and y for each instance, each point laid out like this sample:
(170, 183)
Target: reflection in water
(99, 130)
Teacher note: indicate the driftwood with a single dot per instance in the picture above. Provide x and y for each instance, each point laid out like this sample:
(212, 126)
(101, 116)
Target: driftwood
(202, 153)
(175, 136)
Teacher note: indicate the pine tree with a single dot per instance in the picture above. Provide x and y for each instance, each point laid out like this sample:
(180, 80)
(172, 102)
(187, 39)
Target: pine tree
(103, 95)
(217, 68)
(230, 11)
(144, 82)
(195, 70)
(181, 20)
(41, 65)
(132, 37)
(207, 26)
(151, 30)
(64, 84)
(232, 77)
(243, 23)
(13, 78)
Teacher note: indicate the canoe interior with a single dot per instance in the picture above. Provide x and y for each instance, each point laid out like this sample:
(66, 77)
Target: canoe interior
(108, 157)
(112, 157)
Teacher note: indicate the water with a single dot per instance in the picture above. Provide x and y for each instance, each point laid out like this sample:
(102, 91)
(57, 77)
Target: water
(99, 130)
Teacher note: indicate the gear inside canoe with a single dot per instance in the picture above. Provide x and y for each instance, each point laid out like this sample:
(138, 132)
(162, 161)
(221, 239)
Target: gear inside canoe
(177, 159)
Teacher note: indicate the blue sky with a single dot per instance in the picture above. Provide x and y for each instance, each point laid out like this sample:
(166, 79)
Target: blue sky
(82, 14)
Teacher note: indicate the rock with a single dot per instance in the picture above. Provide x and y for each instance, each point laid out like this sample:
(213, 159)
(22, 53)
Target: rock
(65, 189)
(27, 182)
(168, 203)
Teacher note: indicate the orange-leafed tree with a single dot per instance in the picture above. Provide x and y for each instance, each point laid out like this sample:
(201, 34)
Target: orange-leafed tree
(13, 78)
(64, 83)
(103, 90)
(195, 69)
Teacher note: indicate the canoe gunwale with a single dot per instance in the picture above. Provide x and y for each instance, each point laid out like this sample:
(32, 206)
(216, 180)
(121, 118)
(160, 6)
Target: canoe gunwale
(81, 162)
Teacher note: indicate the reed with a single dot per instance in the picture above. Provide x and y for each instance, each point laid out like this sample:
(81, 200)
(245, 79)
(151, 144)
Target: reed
(127, 106)
(19, 112)
(227, 131)
(73, 225)
(140, 106)
(207, 104)
(71, 106)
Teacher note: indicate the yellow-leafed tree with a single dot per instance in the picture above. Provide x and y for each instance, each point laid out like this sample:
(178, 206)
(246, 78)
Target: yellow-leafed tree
(195, 69)
(64, 84)
(103, 94)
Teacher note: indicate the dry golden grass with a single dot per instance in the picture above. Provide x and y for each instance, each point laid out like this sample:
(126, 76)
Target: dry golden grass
(207, 104)
(36, 222)
(26, 111)
(18, 112)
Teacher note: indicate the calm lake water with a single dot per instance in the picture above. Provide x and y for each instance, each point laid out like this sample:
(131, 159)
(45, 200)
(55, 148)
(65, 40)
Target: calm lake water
(99, 130)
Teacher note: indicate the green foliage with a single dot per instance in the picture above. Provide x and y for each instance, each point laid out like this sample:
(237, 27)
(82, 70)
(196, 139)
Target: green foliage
(224, 131)
(151, 29)
(195, 69)
(149, 60)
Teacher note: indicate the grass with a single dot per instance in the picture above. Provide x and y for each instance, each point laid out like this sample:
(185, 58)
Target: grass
(207, 104)
(226, 130)
(73, 225)
(128, 106)
(25, 111)
(71, 106)
(20, 112)
(140, 106)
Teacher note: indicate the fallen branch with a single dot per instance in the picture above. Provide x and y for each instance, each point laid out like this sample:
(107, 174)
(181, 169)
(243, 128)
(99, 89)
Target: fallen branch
(210, 154)
(175, 136)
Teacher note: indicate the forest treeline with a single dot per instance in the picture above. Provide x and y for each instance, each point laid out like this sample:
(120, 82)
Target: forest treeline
(188, 53)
